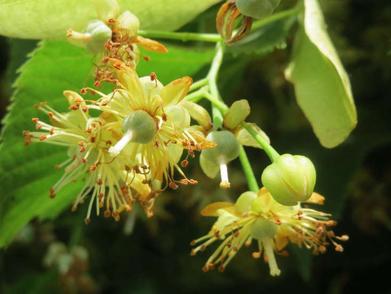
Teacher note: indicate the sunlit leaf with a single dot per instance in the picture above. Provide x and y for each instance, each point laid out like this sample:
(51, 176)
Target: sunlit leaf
(321, 84)
(38, 19)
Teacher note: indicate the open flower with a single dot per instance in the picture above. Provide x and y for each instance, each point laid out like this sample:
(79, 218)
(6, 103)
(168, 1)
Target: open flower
(88, 140)
(258, 217)
(154, 124)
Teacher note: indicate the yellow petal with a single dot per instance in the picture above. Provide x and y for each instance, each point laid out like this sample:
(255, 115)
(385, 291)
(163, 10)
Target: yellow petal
(211, 209)
(130, 80)
(316, 198)
(151, 45)
(176, 90)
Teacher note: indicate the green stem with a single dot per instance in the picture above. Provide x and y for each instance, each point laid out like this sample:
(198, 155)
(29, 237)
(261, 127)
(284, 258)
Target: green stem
(199, 84)
(269, 150)
(212, 82)
(248, 171)
(275, 17)
(181, 36)
(197, 95)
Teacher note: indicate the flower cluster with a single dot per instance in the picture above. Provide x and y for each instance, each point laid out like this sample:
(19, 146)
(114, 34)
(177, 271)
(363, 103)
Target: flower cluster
(258, 217)
(132, 149)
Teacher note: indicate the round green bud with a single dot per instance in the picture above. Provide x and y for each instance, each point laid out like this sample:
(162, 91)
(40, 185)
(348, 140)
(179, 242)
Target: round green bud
(227, 147)
(245, 200)
(128, 22)
(257, 8)
(100, 34)
(178, 116)
(141, 125)
(262, 229)
(290, 179)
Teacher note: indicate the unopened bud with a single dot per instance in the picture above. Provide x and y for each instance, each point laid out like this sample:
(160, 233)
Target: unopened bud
(245, 200)
(129, 23)
(290, 179)
(94, 38)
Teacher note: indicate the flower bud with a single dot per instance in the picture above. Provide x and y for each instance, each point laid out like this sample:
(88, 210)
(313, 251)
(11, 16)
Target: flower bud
(227, 149)
(245, 200)
(236, 114)
(129, 23)
(290, 179)
(257, 8)
(178, 116)
(94, 38)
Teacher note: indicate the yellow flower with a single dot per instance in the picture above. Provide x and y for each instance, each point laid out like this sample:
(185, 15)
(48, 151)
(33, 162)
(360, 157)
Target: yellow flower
(154, 124)
(257, 216)
(88, 140)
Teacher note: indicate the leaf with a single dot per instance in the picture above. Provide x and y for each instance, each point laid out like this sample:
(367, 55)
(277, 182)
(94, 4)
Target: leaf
(178, 62)
(27, 173)
(321, 84)
(42, 19)
(265, 39)
(18, 54)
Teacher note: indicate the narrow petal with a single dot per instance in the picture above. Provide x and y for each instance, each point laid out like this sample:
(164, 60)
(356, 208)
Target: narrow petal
(175, 91)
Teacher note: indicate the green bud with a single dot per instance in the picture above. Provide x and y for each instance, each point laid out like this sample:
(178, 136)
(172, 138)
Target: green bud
(236, 114)
(257, 8)
(128, 22)
(227, 147)
(100, 34)
(178, 116)
(245, 200)
(262, 229)
(94, 38)
(142, 126)
(290, 179)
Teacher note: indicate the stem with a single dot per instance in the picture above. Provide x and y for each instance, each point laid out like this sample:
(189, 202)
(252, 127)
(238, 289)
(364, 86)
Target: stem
(184, 37)
(274, 17)
(212, 82)
(269, 150)
(220, 105)
(248, 171)
(219, 108)
(197, 95)
(199, 84)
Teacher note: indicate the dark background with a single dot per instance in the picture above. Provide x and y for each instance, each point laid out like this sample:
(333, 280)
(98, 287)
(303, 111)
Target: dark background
(154, 258)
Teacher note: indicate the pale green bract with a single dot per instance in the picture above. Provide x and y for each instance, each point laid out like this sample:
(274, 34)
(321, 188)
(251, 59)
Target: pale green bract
(43, 19)
(321, 83)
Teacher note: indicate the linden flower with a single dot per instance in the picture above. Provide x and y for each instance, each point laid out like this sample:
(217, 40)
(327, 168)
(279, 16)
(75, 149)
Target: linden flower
(88, 140)
(257, 216)
(154, 122)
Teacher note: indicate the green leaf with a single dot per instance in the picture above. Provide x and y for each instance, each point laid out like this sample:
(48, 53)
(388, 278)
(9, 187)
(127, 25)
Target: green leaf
(321, 84)
(27, 173)
(178, 62)
(41, 19)
(266, 38)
